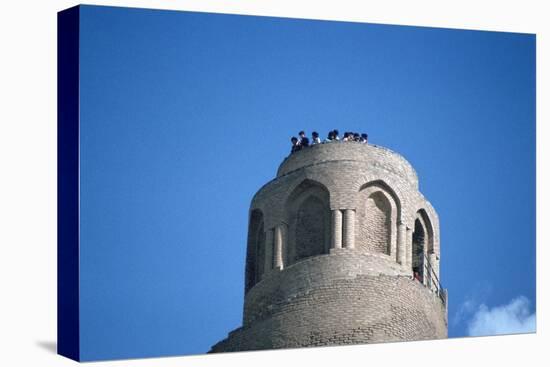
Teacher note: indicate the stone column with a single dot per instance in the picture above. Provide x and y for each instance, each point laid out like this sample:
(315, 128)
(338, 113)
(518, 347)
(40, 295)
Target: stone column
(336, 240)
(401, 243)
(349, 228)
(268, 264)
(278, 249)
(408, 247)
(284, 230)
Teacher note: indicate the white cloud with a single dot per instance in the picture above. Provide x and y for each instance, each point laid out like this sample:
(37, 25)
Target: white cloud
(478, 294)
(512, 318)
(466, 308)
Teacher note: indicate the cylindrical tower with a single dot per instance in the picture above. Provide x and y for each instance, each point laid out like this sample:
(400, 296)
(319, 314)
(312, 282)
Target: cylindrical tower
(342, 249)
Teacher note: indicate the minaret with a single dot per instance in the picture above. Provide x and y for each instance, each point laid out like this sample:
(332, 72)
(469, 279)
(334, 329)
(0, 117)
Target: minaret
(342, 249)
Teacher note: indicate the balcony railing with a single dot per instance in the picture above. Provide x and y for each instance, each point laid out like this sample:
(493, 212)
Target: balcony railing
(431, 280)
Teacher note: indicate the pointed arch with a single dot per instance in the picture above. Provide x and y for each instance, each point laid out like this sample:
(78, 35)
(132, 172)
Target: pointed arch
(255, 252)
(418, 249)
(308, 219)
(378, 212)
(388, 190)
(428, 226)
(422, 246)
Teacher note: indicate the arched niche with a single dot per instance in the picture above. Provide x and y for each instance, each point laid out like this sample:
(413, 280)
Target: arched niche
(378, 211)
(428, 227)
(255, 256)
(422, 245)
(418, 249)
(308, 219)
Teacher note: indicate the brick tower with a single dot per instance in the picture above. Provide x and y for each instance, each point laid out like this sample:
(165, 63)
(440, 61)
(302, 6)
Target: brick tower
(342, 249)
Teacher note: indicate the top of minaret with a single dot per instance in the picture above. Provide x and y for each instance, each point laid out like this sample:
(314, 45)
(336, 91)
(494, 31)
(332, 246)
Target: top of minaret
(374, 155)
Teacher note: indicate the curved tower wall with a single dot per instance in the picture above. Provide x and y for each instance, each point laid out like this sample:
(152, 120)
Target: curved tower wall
(342, 249)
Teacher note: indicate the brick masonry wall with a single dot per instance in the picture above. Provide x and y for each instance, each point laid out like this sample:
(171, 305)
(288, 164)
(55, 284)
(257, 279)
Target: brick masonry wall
(378, 157)
(374, 224)
(308, 223)
(345, 295)
(310, 231)
(359, 164)
(357, 304)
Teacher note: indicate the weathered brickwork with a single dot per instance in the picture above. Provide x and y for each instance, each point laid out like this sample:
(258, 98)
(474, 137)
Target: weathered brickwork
(330, 254)
(309, 223)
(376, 223)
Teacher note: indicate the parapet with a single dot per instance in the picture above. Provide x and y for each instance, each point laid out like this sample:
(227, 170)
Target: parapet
(371, 155)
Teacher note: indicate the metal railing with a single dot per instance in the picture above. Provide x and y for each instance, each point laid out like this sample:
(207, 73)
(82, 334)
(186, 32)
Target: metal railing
(431, 280)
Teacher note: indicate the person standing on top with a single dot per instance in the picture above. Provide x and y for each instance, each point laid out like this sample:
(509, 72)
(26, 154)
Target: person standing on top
(295, 145)
(315, 138)
(304, 141)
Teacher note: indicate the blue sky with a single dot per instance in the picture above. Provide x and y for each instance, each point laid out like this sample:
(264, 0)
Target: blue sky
(184, 116)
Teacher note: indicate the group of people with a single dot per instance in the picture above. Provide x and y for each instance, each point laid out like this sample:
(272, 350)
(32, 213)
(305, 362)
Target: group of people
(304, 142)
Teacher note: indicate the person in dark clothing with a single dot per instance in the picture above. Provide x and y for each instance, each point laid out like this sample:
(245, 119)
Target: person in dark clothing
(335, 135)
(356, 137)
(295, 146)
(364, 138)
(304, 141)
(315, 138)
